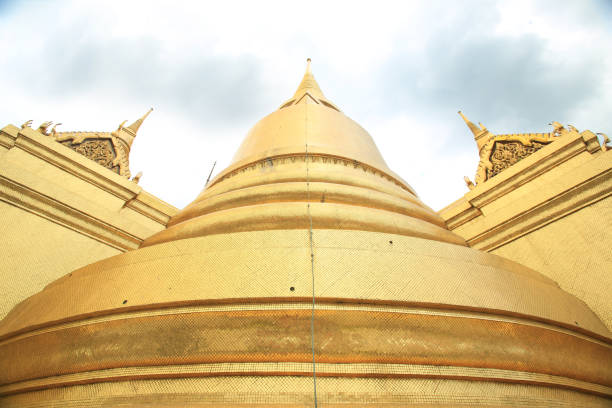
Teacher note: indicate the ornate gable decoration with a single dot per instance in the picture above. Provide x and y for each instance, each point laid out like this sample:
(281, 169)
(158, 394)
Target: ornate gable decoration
(502, 151)
(499, 152)
(101, 147)
(505, 154)
(109, 149)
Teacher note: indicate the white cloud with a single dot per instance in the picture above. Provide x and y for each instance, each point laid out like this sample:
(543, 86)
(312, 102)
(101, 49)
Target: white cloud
(400, 69)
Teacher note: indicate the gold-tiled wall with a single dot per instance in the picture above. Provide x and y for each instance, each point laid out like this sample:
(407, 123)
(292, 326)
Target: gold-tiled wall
(60, 211)
(36, 251)
(575, 252)
(552, 212)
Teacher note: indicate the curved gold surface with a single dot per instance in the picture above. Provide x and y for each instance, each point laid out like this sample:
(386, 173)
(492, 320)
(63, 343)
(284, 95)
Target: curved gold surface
(296, 391)
(265, 264)
(321, 168)
(182, 308)
(325, 130)
(252, 336)
(291, 215)
(307, 244)
(296, 192)
(308, 123)
(273, 194)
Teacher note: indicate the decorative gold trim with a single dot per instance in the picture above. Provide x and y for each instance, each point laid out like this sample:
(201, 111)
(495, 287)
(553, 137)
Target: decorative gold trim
(488, 162)
(351, 370)
(255, 304)
(78, 165)
(313, 157)
(580, 196)
(53, 210)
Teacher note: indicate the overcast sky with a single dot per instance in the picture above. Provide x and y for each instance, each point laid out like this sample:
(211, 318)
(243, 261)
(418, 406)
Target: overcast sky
(400, 69)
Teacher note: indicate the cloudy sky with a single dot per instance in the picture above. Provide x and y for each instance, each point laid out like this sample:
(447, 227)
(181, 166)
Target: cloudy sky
(400, 69)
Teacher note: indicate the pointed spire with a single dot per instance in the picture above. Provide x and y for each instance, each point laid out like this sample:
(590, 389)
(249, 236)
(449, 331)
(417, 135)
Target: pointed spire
(127, 134)
(308, 85)
(472, 126)
(309, 90)
(136, 125)
(481, 135)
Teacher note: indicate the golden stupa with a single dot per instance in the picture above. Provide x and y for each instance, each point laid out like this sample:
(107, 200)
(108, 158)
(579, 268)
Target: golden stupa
(305, 274)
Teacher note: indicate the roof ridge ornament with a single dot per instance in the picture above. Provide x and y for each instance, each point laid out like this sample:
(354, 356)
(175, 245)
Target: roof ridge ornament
(127, 134)
(475, 130)
(500, 151)
(136, 125)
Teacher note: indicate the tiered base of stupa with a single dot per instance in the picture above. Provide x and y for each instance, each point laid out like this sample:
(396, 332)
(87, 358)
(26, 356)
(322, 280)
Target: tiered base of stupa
(227, 320)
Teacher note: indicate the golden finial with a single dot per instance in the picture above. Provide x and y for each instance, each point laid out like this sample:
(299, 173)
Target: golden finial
(472, 126)
(127, 134)
(44, 126)
(604, 143)
(136, 125)
(53, 131)
(558, 128)
(121, 125)
(572, 128)
(468, 182)
(308, 84)
(137, 177)
(309, 90)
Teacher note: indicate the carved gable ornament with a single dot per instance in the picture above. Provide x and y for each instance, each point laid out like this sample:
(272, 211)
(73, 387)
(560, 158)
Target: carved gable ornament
(100, 147)
(109, 149)
(502, 151)
(499, 152)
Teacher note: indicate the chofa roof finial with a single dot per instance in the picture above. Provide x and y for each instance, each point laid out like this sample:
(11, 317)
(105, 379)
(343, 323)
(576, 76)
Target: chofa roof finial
(136, 125)
(472, 126)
